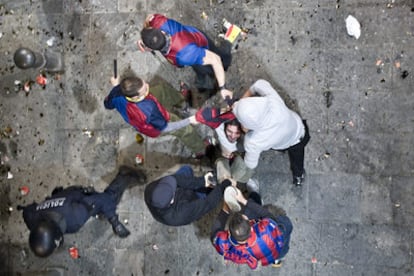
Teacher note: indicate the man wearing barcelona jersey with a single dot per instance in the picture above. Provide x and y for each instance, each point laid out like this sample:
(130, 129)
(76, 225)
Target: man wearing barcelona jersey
(256, 235)
(184, 45)
(131, 97)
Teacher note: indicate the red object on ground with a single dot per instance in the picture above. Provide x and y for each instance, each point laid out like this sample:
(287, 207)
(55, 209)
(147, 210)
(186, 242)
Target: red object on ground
(139, 159)
(41, 80)
(74, 253)
(24, 190)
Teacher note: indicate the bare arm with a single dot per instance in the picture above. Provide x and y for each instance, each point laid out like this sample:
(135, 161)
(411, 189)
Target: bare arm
(214, 60)
(148, 20)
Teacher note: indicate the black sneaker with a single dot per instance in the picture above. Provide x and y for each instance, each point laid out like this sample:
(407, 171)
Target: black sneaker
(298, 180)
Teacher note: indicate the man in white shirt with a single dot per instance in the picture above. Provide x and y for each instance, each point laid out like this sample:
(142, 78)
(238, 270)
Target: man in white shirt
(270, 124)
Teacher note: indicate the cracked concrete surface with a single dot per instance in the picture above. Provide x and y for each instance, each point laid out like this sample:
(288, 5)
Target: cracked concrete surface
(353, 216)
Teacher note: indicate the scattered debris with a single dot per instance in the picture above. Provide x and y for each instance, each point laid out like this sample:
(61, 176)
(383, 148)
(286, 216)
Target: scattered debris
(27, 86)
(41, 80)
(139, 138)
(404, 74)
(6, 132)
(324, 156)
(74, 252)
(379, 63)
(390, 5)
(139, 159)
(232, 31)
(89, 133)
(353, 27)
(204, 15)
(397, 64)
(328, 98)
(24, 190)
(50, 41)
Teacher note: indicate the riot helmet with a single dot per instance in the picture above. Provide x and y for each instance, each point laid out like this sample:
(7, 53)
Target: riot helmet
(45, 237)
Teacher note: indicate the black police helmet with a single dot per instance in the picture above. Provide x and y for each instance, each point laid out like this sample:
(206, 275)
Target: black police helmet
(45, 237)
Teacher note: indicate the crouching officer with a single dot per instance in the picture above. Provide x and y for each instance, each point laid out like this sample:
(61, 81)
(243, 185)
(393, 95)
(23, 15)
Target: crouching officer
(67, 210)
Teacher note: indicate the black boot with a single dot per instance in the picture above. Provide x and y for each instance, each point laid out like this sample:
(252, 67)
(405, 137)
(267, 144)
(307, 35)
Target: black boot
(119, 229)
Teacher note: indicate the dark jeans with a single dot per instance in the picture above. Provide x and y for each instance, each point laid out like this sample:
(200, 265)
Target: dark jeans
(297, 154)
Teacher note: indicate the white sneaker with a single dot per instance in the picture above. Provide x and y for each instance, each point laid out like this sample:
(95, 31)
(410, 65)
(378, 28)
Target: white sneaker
(230, 198)
(252, 185)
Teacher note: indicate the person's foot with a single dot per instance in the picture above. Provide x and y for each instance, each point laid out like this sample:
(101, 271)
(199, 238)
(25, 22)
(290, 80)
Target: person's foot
(277, 263)
(230, 199)
(118, 228)
(298, 180)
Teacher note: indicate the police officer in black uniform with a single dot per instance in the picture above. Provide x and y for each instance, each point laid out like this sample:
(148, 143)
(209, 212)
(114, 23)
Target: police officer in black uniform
(67, 210)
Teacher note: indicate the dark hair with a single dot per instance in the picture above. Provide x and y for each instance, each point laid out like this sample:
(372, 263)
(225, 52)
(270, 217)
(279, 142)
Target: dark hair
(130, 86)
(233, 122)
(239, 227)
(153, 38)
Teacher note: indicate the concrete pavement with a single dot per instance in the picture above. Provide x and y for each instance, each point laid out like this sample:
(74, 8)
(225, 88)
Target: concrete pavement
(353, 216)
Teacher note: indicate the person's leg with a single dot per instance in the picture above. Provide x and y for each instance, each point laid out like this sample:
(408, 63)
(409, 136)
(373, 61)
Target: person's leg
(189, 137)
(125, 177)
(239, 171)
(205, 77)
(101, 203)
(223, 50)
(105, 204)
(185, 170)
(297, 153)
(222, 169)
(167, 95)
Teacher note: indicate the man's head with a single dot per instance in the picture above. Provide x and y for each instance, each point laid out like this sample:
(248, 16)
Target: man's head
(153, 38)
(133, 86)
(239, 227)
(232, 129)
(45, 237)
(164, 192)
(253, 112)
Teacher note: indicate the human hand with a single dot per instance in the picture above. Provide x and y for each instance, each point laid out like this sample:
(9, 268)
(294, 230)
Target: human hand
(225, 208)
(227, 154)
(114, 81)
(141, 46)
(148, 20)
(193, 120)
(210, 180)
(226, 93)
